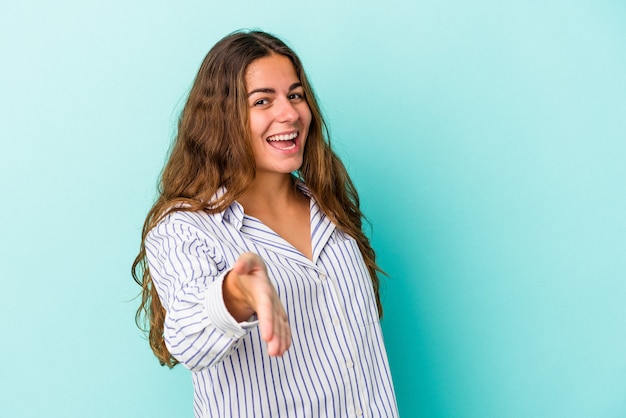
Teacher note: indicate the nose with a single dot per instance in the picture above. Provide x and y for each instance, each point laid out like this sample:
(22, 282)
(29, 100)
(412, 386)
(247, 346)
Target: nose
(285, 111)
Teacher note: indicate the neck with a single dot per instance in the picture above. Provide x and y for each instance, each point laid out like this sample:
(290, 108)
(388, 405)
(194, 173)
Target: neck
(270, 191)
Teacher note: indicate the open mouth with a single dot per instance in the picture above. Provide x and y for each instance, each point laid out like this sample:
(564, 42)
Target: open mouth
(283, 142)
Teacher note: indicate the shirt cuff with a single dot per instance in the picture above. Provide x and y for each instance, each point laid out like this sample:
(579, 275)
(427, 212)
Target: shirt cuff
(218, 314)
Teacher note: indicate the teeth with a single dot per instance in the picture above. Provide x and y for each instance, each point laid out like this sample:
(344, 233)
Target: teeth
(287, 137)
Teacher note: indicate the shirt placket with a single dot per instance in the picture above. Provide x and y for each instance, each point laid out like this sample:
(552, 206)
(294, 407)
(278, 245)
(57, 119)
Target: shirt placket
(351, 369)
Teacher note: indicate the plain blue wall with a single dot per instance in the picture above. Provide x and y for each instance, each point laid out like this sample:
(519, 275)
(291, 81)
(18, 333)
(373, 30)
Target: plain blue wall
(487, 140)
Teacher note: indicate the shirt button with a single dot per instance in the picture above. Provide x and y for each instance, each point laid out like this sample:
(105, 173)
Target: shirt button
(349, 364)
(322, 276)
(336, 322)
(358, 412)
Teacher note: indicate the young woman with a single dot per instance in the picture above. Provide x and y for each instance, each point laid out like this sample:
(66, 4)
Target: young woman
(256, 273)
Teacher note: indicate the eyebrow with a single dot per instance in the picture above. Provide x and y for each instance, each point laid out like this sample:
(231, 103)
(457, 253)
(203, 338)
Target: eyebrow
(272, 91)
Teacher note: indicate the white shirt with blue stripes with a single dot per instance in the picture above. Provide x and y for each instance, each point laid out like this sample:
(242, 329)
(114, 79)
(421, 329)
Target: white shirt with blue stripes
(337, 364)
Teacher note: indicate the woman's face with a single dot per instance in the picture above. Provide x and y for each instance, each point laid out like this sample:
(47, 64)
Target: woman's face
(279, 115)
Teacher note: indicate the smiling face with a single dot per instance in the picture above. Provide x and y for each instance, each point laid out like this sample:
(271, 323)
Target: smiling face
(279, 115)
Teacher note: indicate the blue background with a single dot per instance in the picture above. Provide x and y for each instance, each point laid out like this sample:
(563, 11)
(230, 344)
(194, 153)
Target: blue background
(487, 140)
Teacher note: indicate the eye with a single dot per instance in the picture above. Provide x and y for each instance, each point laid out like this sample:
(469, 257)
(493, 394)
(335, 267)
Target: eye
(261, 102)
(296, 96)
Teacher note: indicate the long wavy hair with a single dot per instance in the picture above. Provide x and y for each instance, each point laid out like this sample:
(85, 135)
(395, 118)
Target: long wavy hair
(212, 150)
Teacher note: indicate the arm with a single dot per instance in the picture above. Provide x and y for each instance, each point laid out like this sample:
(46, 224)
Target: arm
(189, 271)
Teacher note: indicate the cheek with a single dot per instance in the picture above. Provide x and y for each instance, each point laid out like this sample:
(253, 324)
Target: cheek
(256, 124)
(306, 117)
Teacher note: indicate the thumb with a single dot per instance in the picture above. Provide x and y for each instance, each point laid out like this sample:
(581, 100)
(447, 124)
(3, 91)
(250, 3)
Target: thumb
(247, 263)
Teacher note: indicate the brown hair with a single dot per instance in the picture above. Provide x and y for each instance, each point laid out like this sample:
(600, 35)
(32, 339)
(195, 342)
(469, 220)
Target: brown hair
(212, 150)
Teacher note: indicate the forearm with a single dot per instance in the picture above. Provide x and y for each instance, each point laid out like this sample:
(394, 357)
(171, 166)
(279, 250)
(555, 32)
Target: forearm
(199, 331)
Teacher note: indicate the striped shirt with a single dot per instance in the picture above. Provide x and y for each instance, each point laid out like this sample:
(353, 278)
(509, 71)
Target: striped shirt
(336, 365)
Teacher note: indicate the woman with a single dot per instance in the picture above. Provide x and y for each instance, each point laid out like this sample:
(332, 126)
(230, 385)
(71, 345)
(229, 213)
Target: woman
(256, 273)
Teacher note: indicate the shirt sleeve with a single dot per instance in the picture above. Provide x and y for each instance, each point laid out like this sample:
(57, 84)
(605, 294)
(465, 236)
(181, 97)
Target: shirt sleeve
(188, 271)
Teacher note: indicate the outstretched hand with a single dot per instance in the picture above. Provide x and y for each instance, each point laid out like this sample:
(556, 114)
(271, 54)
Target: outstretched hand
(248, 289)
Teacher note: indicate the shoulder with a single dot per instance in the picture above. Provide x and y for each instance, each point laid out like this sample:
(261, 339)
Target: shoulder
(185, 225)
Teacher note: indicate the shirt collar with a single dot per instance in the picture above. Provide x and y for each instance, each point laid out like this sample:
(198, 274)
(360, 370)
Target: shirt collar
(234, 213)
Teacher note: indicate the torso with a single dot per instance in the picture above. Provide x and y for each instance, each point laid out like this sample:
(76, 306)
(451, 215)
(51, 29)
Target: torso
(337, 362)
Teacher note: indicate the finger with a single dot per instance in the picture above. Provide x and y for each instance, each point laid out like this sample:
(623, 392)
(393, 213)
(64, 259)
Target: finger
(285, 342)
(244, 264)
(273, 347)
(248, 263)
(277, 341)
(282, 336)
(265, 313)
(287, 336)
